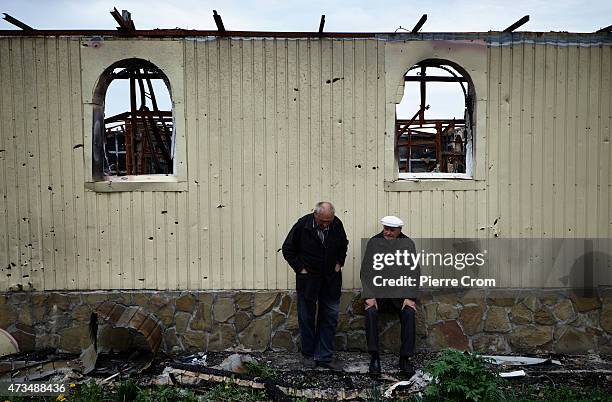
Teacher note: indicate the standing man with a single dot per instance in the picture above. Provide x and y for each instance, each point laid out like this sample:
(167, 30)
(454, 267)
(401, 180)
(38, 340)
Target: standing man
(403, 300)
(316, 249)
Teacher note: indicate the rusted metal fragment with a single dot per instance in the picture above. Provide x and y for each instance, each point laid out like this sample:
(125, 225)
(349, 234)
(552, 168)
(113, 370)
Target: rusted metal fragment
(133, 317)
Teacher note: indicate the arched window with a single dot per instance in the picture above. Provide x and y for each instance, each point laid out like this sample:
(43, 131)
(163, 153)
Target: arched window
(133, 130)
(435, 121)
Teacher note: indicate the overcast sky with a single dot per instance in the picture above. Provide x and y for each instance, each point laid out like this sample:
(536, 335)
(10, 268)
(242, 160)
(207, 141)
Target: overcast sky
(341, 16)
(285, 15)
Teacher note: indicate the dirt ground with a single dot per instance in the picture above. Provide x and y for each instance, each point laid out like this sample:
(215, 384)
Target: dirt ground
(591, 371)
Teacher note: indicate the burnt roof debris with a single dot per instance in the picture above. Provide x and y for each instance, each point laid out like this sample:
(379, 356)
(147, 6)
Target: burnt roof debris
(607, 29)
(127, 27)
(17, 23)
(322, 23)
(517, 24)
(218, 21)
(419, 24)
(124, 19)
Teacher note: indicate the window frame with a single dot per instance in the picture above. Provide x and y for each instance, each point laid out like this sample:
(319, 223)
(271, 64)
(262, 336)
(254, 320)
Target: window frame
(97, 55)
(469, 154)
(471, 57)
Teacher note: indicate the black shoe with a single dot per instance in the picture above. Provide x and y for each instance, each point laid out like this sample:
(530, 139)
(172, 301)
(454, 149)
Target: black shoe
(334, 365)
(375, 364)
(406, 366)
(308, 362)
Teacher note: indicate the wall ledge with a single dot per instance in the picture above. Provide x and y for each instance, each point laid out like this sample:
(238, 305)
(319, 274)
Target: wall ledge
(116, 186)
(434, 185)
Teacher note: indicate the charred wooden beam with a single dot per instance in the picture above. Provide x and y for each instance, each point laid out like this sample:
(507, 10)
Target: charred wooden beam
(423, 90)
(125, 75)
(433, 78)
(322, 23)
(17, 23)
(607, 29)
(517, 24)
(127, 115)
(124, 19)
(419, 24)
(218, 21)
(430, 121)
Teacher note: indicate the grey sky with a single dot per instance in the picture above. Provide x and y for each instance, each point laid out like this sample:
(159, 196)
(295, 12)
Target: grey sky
(283, 15)
(341, 16)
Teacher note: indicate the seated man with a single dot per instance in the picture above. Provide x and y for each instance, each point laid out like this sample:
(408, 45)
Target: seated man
(402, 299)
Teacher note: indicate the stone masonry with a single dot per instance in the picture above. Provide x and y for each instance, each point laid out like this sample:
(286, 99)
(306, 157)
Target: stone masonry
(492, 321)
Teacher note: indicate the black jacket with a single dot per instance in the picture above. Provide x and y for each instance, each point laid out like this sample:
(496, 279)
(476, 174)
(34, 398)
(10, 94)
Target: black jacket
(378, 244)
(303, 248)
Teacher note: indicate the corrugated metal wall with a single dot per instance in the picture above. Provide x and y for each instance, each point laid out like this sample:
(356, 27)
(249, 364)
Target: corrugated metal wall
(272, 127)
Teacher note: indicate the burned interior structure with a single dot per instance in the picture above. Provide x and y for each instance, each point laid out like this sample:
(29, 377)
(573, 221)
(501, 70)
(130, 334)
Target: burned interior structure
(178, 209)
(435, 145)
(140, 140)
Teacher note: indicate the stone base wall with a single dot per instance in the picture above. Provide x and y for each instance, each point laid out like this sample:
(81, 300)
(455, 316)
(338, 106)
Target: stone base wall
(492, 321)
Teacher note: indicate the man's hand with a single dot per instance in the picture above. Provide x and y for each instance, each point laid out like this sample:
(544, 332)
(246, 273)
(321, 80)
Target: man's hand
(370, 303)
(303, 271)
(338, 268)
(409, 303)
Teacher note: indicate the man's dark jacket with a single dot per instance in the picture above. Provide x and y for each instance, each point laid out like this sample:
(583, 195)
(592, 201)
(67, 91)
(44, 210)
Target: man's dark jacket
(378, 244)
(303, 249)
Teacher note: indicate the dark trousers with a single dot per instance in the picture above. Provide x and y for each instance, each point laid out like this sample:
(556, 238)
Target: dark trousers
(317, 330)
(407, 322)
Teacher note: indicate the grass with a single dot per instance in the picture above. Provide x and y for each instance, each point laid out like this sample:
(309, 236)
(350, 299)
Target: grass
(261, 370)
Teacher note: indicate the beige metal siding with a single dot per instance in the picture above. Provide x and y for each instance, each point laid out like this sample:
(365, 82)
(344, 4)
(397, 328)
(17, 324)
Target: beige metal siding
(273, 126)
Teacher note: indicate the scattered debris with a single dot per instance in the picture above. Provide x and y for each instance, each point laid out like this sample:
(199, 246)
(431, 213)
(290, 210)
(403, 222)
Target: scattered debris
(235, 363)
(197, 358)
(204, 371)
(519, 360)
(195, 376)
(513, 374)
(416, 384)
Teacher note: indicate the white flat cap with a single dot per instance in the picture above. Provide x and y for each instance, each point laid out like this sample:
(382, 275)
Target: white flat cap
(392, 221)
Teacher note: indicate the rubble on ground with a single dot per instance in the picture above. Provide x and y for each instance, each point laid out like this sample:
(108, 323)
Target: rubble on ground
(200, 371)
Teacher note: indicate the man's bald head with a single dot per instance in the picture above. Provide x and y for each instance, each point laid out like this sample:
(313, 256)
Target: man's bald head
(324, 213)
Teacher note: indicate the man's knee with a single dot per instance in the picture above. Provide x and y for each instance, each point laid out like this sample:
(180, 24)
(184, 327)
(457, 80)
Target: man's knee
(408, 312)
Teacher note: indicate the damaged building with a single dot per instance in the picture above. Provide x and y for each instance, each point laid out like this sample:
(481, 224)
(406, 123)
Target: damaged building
(177, 210)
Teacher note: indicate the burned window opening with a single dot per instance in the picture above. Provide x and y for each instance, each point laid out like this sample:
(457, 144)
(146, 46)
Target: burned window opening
(139, 141)
(441, 144)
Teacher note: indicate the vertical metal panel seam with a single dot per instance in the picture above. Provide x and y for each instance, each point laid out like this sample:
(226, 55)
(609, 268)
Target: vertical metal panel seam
(253, 169)
(242, 177)
(196, 152)
(57, 268)
(32, 173)
(552, 233)
(51, 198)
(565, 136)
(4, 142)
(265, 63)
(598, 143)
(289, 134)
(22, 257)
(354, 147)
(40, 170)
(609, 223)
(229, 252)
(72, 167)
(17, 219)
